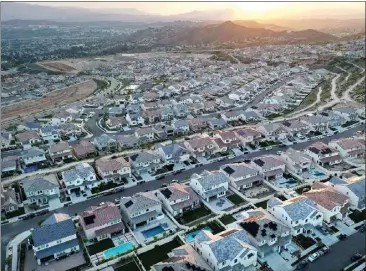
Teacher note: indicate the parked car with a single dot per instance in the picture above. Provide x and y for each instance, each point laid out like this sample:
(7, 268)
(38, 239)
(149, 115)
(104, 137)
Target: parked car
(301, 265)
(325, 250)
(363, 228)
(160, 177)
(164, 185)
(279, 152)
(268, 148)
(77, 193)
(117, 200)
(356, 257)
(342, 236)
(119, 189)
(313, 257)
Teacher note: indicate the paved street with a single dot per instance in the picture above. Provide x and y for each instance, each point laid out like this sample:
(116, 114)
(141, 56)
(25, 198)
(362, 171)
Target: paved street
(339, 254)
(11, 230)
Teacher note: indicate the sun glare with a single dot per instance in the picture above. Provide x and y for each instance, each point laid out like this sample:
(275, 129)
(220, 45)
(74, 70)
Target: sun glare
(259, 9)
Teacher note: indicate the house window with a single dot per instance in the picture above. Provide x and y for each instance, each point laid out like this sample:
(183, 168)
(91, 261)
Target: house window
(250, 255)
(58, 241)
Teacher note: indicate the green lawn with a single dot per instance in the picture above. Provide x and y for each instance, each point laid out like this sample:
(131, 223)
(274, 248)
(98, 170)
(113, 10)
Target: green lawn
(18, 212)
(234, 198)
(131, 266)
(100, 246)
(273, 116)
(302, 190)
(268, 143)
(262, 204)
(193, 215)
(158, 254)
(303, 241)
(227, 219)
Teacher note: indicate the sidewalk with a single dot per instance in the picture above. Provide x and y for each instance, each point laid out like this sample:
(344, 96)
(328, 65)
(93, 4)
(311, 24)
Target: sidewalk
(12, 248)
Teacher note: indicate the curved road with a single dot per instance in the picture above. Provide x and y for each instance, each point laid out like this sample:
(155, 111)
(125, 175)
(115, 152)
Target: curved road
(9, 231)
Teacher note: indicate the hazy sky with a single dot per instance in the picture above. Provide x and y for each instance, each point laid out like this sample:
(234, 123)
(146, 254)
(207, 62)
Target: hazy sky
(248, 10)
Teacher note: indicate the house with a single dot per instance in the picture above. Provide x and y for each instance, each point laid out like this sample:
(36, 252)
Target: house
(84, 149)
(296, 161)
(316, 122)
(331, 203)
(225, 102)
(54, 239)
(113, 169)
(9, 201)
(141, 209)
(105, 143)
(299, 213)
(269, 166)
(209, 106)
(150, 96)
(273, 131)
(80, 178)
(353, 188)
(196, 108)
(163, 131)
(166, 113)
(210, 185)
(33, 156)
(242, 175)
(348, 147)
(294, 127)
(174, 153)
(28, 126)
(9, 165)
(134, 119)
(28, 139)
(145, 134)
(251, 116)
(227, 250)
(149, 105)
(178, 198)
(127, 141)
(231, 115)
(69, 129)
(133, 108)
(201, 146)
(226, 140)
(101, 222)
(249, 135)
(348, 112)
(49, 134)
(181, 110)
(145, 162)
(40, 190)
(217, 124)
(197, 124)
(61, 117)
(180, 127)
(334, 119)
(151, 116)
(115, 111)
(323, 155)
(117, 123)
(183, 258)
(6, 139)
(60, 151)
(265, 232)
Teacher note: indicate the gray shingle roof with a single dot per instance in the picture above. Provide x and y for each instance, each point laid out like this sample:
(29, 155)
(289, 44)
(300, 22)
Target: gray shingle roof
(139, 202)
(32, 152)
(55, 218)
(33, 184)
(53, 232)
(55, 249)
(143, 157)
(358, 188)
(299, 209)
(210, 179)
(82, 171)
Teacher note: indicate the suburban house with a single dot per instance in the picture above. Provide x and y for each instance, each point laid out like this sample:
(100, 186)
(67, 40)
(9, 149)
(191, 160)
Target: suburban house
(265, 232)
(84, 149)
(334, 120)
(231, 115)
(33, 156)
(323, 155)
(197, 124)
(79, 178)
(28, 139)
(145, 162)
(134, 119)
(61, 117)
(9, 201)
(299, 213)
(296, 161)
(40, 190)
(60, 151)
(49, 134)
(217, 124)
(353, 188)
(251, 116)
(348, 112)
(180, 127)
(69, 130)
(105, 143)
(30, 125)
(227, 250)
(116, 123)
(163, 131)
(273, 131)
(101, 222)
(201, 146)
(5, 139)
(294, 127)
(127, 141)
(348, 147)
(173, 153)
(226, 140)
(331, 203)
(145, 134)
(178, 198)
(55, 238)
(9, 165)
(317, 122)
(182, 258)
(269, 166)
(113, 169)
(210, 185)
(249, 135)
(242, 175)
(141, 209)
(151, 115)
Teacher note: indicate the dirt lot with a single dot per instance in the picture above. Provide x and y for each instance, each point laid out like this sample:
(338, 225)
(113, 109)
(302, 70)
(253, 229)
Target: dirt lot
(55, 98)
(59, 66)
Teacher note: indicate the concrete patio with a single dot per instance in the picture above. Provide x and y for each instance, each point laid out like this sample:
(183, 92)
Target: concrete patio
(220, 204)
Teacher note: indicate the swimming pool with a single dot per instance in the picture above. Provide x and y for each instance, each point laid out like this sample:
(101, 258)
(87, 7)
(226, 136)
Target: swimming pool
(316, 173)
(190, 236)
(122, 248)
(152, 232)
(285, 182)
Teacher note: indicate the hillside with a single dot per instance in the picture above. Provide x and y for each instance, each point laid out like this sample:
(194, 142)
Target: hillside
(254, 24)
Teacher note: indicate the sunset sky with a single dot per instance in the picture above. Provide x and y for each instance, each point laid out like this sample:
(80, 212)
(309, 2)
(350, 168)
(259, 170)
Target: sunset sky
(247, 10)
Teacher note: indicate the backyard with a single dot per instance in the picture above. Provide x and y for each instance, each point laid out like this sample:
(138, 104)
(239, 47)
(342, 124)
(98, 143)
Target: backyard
(193, 215)
(303, 241)
(131, 266)
(227, 219)
(158, 254)
(234, 198)
(302, 190)
(262, 204)
(100, 246)
(358, 216)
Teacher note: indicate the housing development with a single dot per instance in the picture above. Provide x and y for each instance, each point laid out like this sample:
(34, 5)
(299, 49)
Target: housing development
(192, 157)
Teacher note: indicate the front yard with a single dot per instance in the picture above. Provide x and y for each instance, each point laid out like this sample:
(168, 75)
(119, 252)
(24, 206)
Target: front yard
(104, 186)
(158, 254)
(268, 143)
(235, 199)
(193, 215)
(100, 246)
(303, 241)
(18, 212)
(349, 123)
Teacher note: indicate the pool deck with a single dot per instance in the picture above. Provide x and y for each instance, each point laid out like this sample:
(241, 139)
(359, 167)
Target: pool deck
(165, 220)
